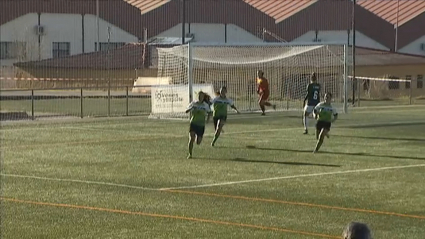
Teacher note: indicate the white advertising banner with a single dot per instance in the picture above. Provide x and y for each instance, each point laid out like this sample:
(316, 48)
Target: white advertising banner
(175, 98)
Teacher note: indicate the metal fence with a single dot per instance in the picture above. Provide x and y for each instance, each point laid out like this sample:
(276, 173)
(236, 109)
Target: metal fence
(31, 104)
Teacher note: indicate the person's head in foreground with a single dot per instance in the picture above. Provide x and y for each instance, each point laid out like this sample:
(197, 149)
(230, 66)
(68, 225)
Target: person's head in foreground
(357, 230)
(223, 91)
(328, 98)
(313, 77)
(201, 96)
(260, 73)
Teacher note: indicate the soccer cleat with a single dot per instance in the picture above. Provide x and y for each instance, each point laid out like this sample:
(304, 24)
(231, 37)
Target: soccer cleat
(189, 156)
(212, 144)
(263, 114)
(305, 131)
(315, 151)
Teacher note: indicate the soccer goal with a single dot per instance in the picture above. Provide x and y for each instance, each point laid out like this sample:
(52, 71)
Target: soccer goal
(207, 67)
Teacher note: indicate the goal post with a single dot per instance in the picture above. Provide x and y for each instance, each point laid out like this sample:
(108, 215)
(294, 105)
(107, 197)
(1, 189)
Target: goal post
(287, 66)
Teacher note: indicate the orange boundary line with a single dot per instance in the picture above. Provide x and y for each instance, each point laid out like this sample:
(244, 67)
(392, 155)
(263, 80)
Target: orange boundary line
(169, 217)
(297, 203)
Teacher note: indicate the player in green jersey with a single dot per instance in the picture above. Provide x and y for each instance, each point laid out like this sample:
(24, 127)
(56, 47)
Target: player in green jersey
(325, 115)
(200, 110)
(311, 99)
(220, 104)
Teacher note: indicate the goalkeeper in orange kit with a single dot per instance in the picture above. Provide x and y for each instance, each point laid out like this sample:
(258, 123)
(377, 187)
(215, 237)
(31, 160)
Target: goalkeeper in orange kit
(263, 92)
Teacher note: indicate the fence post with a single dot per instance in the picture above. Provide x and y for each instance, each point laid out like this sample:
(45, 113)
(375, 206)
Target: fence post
(109, 97)
(126, 100)
(81, 103)
(32, 104)
(410, 93)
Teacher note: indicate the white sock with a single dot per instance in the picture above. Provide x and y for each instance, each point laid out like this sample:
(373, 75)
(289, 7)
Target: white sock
(305, 122)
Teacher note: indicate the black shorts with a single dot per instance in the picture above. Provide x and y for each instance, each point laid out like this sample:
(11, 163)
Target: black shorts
(216, 119)
(323, 125)
(198, 130)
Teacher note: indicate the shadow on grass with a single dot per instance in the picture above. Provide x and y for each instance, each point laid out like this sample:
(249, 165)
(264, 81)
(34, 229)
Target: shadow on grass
(244, 160)
(384, 125)
(338, 153)
(381, 138)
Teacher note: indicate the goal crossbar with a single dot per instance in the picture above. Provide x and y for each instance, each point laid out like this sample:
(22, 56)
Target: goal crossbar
(378, 79)
(261, 44)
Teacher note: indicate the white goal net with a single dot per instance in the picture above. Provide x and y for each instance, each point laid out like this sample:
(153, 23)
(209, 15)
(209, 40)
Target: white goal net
(287, 67)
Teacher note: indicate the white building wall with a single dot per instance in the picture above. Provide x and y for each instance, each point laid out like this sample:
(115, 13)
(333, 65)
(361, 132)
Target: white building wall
(59, 28)
(341, 36)
(21, 30)
(90, 33)
(213, 33)
(414, 47)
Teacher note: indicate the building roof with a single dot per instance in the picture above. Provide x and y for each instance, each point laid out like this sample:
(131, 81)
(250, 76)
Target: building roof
(147, 5)
(373, 57)
(280, 10)
(287, 19)
(130, 56)
(387, 9)
(336, 16)
(117, 12)
(411, 31)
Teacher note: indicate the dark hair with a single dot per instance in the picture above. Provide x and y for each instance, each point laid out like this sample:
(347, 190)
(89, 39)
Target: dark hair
(329, 94)
(313, 76)
(357, 230)
(207, 98)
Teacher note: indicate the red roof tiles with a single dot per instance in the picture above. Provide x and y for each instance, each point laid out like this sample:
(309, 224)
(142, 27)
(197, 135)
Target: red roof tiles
(147, 5)
(387, 9)
(280, 10)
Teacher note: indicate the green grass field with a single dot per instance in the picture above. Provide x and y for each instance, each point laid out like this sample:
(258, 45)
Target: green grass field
(129, 178)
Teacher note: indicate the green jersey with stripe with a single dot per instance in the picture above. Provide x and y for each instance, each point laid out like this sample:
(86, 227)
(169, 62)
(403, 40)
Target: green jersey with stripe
(199, 112)
(325, 112)
(220, 106)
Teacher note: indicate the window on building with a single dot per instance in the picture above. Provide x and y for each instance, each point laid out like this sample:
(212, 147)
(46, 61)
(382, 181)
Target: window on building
(12, 50)
(61, 49)
(420, 81)
(407, 83)
(104, 46)
(394, 85)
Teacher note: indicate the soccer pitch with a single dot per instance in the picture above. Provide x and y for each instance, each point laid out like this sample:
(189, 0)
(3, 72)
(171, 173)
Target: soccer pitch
(129, 178)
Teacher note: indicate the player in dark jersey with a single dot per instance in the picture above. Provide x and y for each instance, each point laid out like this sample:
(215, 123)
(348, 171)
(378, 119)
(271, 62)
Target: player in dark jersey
(311, 99)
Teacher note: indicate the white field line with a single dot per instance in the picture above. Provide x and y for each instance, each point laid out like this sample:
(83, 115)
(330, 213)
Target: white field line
(294, 176)
(78, 181)
(214, 184)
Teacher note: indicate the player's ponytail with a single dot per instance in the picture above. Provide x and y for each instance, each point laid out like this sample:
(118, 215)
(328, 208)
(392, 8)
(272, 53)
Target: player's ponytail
(207, 98)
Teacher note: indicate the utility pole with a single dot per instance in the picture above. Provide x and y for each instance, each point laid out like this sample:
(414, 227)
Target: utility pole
(183, 17)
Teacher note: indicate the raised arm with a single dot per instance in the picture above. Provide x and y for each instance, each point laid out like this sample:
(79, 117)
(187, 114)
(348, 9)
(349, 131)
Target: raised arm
(189, 108)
